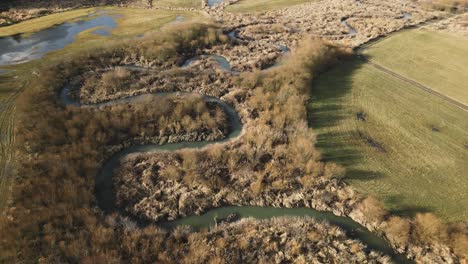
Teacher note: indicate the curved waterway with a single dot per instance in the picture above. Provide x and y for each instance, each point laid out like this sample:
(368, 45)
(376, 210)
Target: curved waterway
(222, 61)
(351, 30)
(106, 200)
(407, 16)
(26, 47)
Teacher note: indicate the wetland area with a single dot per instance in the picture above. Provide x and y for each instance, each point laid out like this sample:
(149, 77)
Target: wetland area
(213, 124)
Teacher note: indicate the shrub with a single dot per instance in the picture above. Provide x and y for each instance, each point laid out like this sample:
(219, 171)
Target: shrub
(428, 228)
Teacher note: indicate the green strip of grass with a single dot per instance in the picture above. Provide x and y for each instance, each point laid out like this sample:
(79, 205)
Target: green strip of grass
(435, 59)
(247, 6)
(401, 144)
(41, 23)
(177, 3)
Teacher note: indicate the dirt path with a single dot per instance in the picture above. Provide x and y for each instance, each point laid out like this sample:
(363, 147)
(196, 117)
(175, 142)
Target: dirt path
(7, 138)
(416, 84)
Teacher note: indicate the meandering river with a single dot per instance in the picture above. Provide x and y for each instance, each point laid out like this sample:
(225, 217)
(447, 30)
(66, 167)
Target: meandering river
(22, 48)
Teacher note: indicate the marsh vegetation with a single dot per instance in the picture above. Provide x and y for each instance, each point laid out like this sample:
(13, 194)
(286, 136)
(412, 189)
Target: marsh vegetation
(54, 214)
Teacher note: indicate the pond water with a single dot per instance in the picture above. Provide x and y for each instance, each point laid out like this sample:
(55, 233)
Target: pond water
(179, 19)
(214, 2)
(233, 34)
(25, 47)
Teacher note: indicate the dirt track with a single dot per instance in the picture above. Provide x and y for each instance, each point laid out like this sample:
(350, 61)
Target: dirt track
(420, 86)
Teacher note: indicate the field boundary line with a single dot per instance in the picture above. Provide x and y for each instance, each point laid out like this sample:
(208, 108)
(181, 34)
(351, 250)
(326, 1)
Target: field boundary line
(419, 85)
(421, 25)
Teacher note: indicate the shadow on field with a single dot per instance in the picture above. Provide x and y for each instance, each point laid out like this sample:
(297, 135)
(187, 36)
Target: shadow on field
(406, 210)
(362, 175)
(326, 109)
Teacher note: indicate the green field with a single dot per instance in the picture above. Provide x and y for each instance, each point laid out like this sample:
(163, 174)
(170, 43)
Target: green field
(437, 60)
(131, 23)
(246, 6)
(177, 3)
(404, 145)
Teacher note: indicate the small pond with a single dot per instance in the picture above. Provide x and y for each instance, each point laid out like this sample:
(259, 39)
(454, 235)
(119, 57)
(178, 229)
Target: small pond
(25, 47)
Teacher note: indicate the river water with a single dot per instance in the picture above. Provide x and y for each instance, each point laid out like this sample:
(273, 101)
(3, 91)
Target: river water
(17, 49)
(214, 2)
(105, 193)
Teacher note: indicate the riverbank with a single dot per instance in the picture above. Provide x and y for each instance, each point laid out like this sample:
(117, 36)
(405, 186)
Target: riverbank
(274, 162)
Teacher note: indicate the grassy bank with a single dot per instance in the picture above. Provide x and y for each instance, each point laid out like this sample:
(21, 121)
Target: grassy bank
(397, 142)
(437, 60)
(246, 6)
(130, 21)
(177, 3)
(37, 24)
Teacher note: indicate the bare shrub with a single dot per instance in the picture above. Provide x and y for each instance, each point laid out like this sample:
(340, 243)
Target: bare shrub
(373, 209)
(398, 230)
(428, 228)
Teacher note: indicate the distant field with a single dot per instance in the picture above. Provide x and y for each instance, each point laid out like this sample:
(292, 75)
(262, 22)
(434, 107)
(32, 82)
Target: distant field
(133, 20)
(437, 60)
(399, 143)
(246, 6)
(177, 3)
(40, 23)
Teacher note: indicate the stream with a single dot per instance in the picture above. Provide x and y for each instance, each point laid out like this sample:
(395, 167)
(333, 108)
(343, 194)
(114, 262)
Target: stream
(105, 193)
(222, 61)
(21, 48)
(214, 2)
(351, 30)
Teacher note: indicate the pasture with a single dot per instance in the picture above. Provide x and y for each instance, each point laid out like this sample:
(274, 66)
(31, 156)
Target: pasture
(249, 6)
(397, 142)
(434, 59)
(177, 3)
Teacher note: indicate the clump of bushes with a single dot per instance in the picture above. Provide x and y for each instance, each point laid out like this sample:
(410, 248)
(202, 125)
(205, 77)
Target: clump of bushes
(424, 230)
(454, 6)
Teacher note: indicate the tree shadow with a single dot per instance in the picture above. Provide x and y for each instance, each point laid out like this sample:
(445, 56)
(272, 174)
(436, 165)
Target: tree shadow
(405, 210)
(362, 175)
(334, 149)
(326, 109)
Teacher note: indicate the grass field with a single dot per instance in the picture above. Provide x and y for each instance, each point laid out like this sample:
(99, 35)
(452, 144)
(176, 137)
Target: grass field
(177, 3)
(405, 146)
(37, 24)
(437, 60)
(130, 23)
(247, 6)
